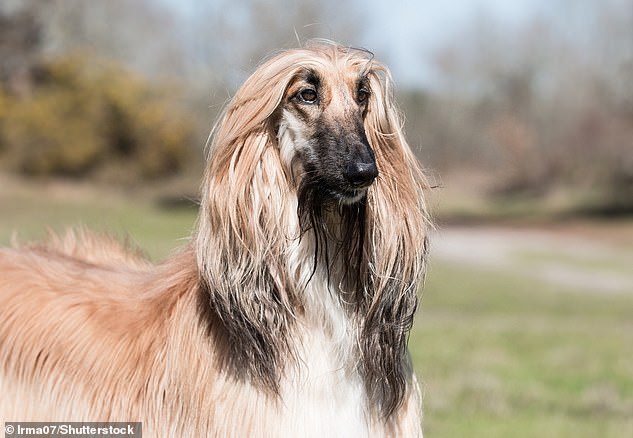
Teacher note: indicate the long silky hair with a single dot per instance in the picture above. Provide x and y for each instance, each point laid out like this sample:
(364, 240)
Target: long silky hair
(257, 211)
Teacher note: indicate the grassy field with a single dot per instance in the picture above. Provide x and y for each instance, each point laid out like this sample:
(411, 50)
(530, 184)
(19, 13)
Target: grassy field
(501, 356)
(498, 354)
(30, 213)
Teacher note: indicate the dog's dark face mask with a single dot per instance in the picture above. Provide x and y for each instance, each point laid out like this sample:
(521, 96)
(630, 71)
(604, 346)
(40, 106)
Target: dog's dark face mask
(323, 116)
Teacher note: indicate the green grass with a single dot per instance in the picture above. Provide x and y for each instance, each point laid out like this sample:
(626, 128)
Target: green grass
(614, 262)
(498, 355)
(156, 230)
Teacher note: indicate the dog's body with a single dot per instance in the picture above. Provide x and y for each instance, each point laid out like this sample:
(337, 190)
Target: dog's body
(286, 316)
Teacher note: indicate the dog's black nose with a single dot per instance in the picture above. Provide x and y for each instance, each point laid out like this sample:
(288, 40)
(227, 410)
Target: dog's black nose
(361, 174)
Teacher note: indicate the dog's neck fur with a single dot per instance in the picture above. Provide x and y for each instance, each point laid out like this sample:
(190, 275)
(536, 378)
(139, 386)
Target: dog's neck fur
(317, 272)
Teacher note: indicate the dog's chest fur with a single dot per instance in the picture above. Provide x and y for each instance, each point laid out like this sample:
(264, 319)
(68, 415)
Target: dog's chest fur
(324, 394)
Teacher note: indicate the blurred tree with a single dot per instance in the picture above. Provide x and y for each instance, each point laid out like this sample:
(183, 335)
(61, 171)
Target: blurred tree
(85, 115)
(86, 119)
(137, 33)
(544, 106)
(230, 38)
(20, 43)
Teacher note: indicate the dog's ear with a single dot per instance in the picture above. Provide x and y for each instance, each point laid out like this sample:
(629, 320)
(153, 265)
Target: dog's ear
(242, 229)
(396, 247)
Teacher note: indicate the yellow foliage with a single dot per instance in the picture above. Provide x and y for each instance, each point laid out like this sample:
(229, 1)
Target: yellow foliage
(53, 133)
(83, 117)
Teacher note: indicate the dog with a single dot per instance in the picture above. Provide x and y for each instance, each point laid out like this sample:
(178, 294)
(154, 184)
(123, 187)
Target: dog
(288, 312)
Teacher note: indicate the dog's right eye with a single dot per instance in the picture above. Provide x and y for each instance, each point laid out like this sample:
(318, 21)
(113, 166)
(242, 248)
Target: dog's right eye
(307, 95)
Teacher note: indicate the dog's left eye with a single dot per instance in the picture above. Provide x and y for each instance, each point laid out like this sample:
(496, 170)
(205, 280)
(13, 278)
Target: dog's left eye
(307, 95)
(362, 95)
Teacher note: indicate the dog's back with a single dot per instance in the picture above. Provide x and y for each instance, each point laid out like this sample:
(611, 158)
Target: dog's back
(64, 311)
(90, 331)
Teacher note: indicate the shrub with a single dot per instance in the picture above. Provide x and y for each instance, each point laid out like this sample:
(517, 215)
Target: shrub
(83, 117)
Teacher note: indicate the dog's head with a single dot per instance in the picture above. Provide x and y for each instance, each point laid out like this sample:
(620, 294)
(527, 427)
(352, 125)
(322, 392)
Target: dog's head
(322, 129)
(326, 110)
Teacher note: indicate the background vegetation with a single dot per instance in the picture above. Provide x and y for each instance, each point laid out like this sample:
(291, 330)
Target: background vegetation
(83, 120)
(80, 115)
(540, 111)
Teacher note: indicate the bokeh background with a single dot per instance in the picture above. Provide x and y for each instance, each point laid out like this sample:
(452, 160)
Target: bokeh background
(521, 112)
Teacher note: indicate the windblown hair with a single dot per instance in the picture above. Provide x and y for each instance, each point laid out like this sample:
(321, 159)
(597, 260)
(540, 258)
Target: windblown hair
(247, 229)
(292, 304)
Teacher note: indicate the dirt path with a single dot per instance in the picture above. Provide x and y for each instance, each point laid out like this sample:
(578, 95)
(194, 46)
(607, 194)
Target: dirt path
(572, 262)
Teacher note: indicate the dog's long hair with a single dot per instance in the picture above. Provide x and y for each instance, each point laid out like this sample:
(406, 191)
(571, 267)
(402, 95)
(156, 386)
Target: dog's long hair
(312, 218)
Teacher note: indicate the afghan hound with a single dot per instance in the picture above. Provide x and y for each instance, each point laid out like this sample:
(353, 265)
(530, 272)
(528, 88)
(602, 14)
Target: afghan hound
(288, 313)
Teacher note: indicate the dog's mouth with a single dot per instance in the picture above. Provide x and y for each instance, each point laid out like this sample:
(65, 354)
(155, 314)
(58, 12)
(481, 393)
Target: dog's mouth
(345, 194)
(350, 195)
